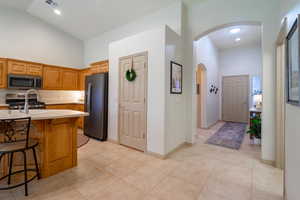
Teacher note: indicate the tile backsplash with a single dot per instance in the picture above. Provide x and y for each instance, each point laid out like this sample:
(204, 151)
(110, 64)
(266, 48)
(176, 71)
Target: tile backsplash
(50, 96)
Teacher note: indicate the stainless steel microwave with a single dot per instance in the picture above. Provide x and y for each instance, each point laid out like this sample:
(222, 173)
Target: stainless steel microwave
(24, 82)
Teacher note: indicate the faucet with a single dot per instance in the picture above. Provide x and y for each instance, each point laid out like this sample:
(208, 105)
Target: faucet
(26, 106)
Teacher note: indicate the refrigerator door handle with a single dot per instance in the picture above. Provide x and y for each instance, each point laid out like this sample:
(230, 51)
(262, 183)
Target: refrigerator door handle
(89, 98)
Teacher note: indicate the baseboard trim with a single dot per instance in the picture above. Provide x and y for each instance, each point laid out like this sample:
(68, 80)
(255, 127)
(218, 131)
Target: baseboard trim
(210, 126)
(268, 162)
(156, 155)
(185, 144)
(176, 149)
(163, 157)
(113, 141)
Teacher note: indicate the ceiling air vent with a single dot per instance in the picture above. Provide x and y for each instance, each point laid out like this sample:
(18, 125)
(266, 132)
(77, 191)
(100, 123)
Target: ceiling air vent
(51, 3)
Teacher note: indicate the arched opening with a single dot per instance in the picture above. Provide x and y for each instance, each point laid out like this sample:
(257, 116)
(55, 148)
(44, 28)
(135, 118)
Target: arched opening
(201, 85)
(208, 101)
(204, 33)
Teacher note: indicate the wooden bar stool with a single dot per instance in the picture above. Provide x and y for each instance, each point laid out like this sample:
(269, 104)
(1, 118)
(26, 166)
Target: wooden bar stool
(16, 138)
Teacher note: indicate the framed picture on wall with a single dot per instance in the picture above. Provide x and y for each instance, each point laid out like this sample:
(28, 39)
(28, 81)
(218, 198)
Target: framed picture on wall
(176, 78)
(293, 67)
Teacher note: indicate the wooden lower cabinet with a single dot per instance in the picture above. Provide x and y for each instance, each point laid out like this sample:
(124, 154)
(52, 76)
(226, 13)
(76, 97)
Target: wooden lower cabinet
(60, 145)
(78, 107)
(57, 150)
(61, 107)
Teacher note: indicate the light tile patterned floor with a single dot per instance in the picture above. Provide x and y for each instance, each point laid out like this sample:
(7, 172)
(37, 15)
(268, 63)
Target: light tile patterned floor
(201, 172)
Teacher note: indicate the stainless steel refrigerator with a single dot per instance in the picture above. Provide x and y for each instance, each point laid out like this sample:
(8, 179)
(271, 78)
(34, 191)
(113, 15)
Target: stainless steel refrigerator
(96, 104)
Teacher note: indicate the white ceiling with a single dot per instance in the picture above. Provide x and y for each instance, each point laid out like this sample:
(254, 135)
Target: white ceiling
(18, 4)
(223, 39)
(85, 19)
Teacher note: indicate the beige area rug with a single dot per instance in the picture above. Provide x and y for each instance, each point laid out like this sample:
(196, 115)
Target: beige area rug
(81, 139)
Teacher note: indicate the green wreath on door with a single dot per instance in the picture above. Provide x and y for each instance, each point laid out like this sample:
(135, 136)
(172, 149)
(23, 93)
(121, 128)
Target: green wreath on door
(130, 75)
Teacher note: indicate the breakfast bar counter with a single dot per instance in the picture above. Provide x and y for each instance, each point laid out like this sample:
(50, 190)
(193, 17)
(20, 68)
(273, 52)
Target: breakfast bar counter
(56, 131)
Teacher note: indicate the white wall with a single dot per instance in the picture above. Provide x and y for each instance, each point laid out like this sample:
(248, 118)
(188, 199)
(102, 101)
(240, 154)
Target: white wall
(96, 49)
(290, 9)
(154, 43)
(204, 16)
(26, 37)
(242, 60)
(175, 115)
(206, 53)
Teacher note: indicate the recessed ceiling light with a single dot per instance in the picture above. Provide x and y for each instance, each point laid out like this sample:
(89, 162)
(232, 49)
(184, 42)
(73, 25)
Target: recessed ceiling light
(235, 30)
(238, 39)
(56, 11)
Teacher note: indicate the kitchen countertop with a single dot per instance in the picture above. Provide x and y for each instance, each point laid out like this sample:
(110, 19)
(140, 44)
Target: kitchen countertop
(63, 103)
(42, 114)
(53, 103)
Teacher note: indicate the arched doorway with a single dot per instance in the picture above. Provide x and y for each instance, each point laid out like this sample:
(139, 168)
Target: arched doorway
(201, 86)
(195, 107)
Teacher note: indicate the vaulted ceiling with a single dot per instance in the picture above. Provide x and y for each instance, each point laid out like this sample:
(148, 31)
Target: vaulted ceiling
(88, 18)
(19, 4)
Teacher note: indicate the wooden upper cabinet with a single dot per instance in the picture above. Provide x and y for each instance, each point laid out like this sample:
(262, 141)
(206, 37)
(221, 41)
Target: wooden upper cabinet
(58, 78)
(3, 73)
(35, 70)
(83, 74)
(52, 78)
(25, 68)
(96, 68)
(69, 79)
(16, 67)
(104, 67)
(100, 67)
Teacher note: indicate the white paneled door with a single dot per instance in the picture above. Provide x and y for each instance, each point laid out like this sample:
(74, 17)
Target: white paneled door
(132, 102)
(235, 98)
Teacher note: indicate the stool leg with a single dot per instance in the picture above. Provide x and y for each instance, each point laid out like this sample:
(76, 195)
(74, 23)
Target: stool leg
(10, 167)
(36, 163)
(25, 173)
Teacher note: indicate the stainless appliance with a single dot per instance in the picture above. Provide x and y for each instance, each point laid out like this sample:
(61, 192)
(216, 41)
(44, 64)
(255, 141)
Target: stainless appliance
(24, 82)
(17, 101)
(96, 104)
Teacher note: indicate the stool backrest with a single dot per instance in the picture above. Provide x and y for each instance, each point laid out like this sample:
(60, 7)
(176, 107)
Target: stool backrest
(15, 130)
